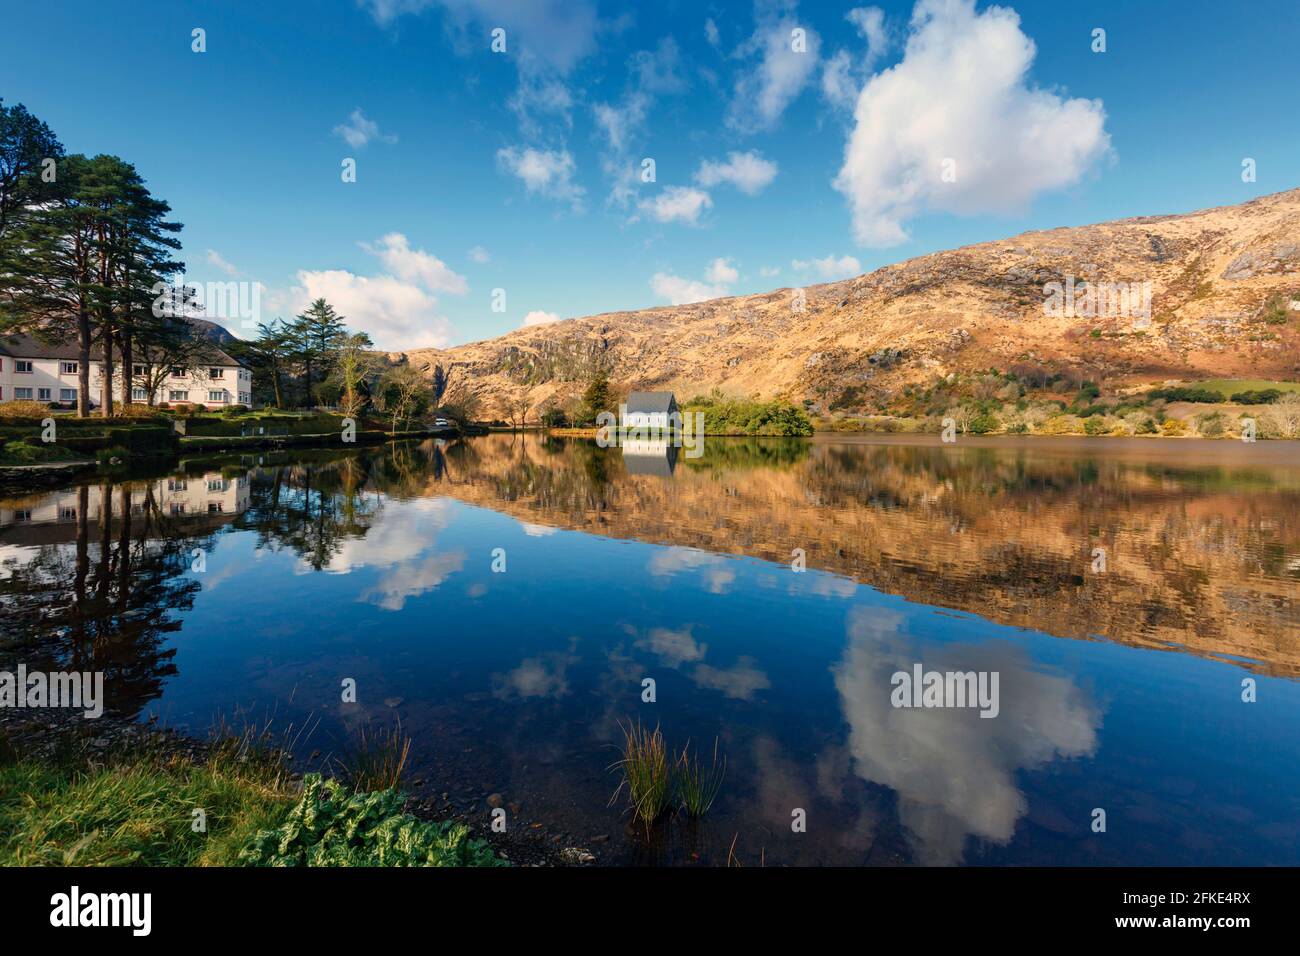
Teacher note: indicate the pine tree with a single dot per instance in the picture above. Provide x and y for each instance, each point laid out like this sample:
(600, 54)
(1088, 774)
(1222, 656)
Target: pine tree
(317, 335)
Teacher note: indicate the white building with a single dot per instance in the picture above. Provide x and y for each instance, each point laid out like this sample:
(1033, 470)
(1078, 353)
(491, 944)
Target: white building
(32, 370)
(655, 410)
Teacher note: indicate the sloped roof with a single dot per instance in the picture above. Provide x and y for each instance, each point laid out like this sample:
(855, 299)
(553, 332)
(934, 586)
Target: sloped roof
(28, 347)
(650, 402)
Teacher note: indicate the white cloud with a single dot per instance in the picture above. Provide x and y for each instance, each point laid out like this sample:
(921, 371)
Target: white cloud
(559, 33)
(870, 22)
(679, 291)
(677, 204)
(843, 74)
(397, 309)
(722, 272)
(479, 255)
(748, 172)
(358, 131)
(780, 74)
(829, 268)
(545, 39)
(548, 173)
(654, 73)
(961, 92)
(215, 259)
(416, 265)
(538, 317)
(839, 85)
(768, 272)
(711, 33)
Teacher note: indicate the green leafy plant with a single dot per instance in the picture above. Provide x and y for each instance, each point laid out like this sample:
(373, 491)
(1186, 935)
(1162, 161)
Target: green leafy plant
(331, 827)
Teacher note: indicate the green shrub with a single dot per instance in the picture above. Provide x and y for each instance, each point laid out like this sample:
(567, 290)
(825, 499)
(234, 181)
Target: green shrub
(1186, 393)
(1264, 396)
(330, 827)
(25, 409)
(1210, 426)
(727, 416)
(22, 452)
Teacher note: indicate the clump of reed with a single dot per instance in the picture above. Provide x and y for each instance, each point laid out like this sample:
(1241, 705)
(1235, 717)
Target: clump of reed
(655, 783)
(698, 784)
(376, 759)
(646, 773)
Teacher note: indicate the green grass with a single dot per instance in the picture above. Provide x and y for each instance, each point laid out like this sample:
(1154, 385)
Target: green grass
(138, 813)
(1229, 386)
(137, 808)
(21, 452)
(376, 759)
(646, 774)
(697, 784)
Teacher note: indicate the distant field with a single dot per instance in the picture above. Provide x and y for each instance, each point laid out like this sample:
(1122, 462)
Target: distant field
(1229, 386)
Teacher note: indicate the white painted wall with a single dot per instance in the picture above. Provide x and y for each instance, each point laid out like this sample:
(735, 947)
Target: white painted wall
(51, 381)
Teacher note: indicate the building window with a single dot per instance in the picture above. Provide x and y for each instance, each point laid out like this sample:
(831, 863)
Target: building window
(216, 373)
(178, 508)
(217, 484)
(137, 369)
(178, 396)
(216, 396)
(67, 394)
(21, 516)
(215, 508)
(139, 395)
(178, 372)
(176, 485)
(23, 365)
(43, 394)
(68, 514)
(68, 368)
(22, 394)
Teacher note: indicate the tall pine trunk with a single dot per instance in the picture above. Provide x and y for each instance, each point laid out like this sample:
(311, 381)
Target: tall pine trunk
(127, 368)
(83, 364)
(106, 392)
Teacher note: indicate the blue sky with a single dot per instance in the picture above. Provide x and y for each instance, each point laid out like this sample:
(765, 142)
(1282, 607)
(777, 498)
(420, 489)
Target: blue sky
(521, 170)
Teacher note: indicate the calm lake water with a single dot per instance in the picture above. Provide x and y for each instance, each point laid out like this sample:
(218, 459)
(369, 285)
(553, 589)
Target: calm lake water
(1121, 591)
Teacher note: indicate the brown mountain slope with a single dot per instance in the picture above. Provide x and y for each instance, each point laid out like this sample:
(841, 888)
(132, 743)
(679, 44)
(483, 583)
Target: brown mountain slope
(967, 309)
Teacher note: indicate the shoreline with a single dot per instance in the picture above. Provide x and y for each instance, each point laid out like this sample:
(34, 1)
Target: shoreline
(46, 736)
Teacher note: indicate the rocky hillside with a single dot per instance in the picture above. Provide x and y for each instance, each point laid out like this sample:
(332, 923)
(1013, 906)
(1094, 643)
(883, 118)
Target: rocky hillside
(974, 308)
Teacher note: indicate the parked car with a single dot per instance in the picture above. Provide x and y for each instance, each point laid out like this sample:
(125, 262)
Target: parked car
(441, 423)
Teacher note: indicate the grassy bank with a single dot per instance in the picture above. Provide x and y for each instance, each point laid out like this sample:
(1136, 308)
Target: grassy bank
(229, 805)
(1005, 403)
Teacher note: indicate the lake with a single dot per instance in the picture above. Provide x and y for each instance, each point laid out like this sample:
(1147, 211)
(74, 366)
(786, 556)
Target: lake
(506, 597)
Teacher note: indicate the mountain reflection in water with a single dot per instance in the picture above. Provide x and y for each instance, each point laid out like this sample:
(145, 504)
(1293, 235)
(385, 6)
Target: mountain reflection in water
(1120, 682)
